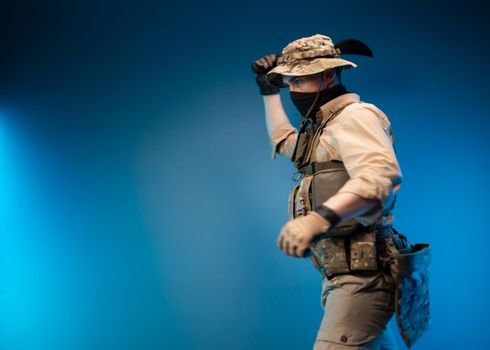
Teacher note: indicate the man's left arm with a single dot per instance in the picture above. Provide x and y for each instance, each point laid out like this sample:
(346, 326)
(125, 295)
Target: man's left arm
(362, 140)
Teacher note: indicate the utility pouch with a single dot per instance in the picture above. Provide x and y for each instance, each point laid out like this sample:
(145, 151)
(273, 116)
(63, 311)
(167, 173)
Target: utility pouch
(410, 273)
(291, 202)
(302, 145)
(299, 201)
(363, 251)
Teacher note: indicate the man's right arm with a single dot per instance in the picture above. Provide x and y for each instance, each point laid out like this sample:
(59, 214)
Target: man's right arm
(282, 134)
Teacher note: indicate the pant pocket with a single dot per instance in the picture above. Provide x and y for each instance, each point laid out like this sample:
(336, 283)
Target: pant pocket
(384, 301)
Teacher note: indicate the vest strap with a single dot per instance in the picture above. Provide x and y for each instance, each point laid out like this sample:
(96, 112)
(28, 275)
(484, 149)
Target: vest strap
(311, 156)
(314, 167)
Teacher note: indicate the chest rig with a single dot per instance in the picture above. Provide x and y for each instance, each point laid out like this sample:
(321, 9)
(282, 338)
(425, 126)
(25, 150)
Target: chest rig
(354, 248)
(350, 246)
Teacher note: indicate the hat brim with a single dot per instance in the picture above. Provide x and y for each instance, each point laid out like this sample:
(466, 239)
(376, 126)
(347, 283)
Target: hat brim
(306, 67)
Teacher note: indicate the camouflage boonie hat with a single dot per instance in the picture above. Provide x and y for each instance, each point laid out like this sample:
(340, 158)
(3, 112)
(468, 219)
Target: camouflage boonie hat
(309, 55)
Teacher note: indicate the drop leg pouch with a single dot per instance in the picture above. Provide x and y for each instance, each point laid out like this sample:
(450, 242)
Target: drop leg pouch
(409, 269)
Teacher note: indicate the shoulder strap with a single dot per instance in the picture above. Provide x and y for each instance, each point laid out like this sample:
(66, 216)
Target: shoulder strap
(316, 137)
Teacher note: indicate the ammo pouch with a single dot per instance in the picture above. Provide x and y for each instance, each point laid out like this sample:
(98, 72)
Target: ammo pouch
(346, 254)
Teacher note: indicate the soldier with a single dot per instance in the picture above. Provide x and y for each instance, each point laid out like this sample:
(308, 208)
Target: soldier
(341, 211)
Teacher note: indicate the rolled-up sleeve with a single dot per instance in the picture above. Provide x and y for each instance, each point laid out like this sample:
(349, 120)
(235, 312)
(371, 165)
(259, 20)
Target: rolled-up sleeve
(362, 140)
(283, 140)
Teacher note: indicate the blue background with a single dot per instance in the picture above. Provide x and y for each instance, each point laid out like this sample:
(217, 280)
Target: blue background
(139, 206)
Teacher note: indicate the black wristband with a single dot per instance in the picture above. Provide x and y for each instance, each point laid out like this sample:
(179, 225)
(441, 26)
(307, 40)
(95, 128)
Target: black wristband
(328, 214)
(266, 90)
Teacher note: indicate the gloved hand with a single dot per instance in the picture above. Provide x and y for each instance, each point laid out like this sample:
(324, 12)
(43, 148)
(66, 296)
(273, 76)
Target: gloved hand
(261, 67)
(298, 233)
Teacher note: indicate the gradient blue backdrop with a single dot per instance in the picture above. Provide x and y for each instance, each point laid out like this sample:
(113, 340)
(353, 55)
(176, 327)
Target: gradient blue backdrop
(139, 206)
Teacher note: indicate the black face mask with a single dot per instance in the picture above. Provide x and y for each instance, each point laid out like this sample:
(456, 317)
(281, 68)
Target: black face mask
(303, 100)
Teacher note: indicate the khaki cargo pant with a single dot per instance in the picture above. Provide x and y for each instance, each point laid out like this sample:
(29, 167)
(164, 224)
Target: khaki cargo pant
(357, 311)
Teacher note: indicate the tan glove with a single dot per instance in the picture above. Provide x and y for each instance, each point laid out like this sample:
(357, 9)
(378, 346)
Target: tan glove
(297, 234)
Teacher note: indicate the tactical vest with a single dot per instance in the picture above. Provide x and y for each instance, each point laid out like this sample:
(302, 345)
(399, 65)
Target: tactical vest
(351, 247)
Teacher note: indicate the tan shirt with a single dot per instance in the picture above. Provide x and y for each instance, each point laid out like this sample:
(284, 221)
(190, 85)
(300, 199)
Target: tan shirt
(360, 136)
